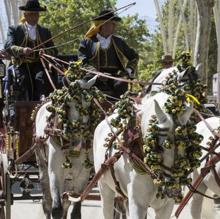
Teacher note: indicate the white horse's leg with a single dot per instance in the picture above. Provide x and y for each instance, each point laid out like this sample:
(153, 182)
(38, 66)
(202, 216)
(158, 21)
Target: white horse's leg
(56, 176)
(65, 205)
(197, 200)
(44, 181)
(136, 211)
(57, 210)
(76, 212)
(107, 196)
(165, 211)
(136, 203)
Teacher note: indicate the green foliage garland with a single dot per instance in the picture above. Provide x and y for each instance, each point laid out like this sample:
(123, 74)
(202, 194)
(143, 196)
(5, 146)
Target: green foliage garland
(126, 111)
(59, 107)
(186, 141)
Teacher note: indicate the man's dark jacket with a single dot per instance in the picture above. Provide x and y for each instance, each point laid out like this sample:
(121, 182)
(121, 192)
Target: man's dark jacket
(31, 79)
(119, 57)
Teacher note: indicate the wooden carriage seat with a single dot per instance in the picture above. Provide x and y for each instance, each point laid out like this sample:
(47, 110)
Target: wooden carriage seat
(24, 124)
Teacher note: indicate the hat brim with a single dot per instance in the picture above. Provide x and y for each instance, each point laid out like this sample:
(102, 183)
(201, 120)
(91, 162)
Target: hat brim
(23, 8)
(107, 18)
(166, 61)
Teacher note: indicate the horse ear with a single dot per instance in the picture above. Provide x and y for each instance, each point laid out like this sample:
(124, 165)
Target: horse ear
(198, 67)
(92, 81)
(184, 117)
(181, 75)
(88, 84)
(159, 112)
(198, 70)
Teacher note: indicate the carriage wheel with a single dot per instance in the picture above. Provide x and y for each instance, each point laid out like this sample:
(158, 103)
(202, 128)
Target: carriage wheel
(5, 188)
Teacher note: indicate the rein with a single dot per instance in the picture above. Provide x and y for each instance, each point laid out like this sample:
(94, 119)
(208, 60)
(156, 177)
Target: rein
(126, 7)
(47, 73)
(210, 165)
(52, 47)
(106, 75)
(101, 74)
(109, 162)
(30, 152)
(198, 181)
(213, 131)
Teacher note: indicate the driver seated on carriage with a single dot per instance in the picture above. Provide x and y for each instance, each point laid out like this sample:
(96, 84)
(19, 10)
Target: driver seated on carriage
(101, 50)
(26, 79)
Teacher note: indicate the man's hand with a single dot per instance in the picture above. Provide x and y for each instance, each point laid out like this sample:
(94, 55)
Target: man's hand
(41, 52)
(130, 73)
(27, 51)
(4, 54)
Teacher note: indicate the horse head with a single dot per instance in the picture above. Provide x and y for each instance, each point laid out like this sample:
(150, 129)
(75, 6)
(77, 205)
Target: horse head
(66, 124)
(164, 146)
(183, 76)
(189, 74)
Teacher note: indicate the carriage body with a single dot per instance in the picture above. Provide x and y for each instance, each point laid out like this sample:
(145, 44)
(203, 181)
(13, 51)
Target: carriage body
(18, 180)
(17, 160)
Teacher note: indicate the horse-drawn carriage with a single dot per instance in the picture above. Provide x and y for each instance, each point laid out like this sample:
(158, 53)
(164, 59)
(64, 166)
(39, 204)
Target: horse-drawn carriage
(17, 140)
(19, 174)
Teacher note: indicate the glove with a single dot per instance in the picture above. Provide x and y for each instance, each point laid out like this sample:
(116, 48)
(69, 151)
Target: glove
(27, 51)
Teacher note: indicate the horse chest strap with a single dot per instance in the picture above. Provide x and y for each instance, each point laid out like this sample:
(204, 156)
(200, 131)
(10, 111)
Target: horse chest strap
(117, 184)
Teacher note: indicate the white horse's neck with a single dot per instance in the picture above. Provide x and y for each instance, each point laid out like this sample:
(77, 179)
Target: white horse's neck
(161, 78)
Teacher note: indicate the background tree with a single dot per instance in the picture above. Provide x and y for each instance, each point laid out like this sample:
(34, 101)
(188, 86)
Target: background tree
(64, 14)
(217, 24)
(201, 52)
(189, 35)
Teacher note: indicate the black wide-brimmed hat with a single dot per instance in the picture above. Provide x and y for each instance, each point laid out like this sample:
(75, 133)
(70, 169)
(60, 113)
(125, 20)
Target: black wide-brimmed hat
(107, 14)
(32, 5)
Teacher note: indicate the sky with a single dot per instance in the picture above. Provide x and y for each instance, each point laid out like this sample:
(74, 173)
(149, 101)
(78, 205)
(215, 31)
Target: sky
(144, 8)
(5, 24)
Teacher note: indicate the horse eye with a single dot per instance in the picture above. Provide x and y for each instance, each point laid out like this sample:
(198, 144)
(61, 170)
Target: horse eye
(164, 120)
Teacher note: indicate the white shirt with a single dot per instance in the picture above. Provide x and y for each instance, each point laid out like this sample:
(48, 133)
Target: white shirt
(104, 42)
(31, 31)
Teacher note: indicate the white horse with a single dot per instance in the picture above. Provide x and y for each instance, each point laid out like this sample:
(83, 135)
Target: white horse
(157, 82)
(55, 179)
(140, 189)
(209, 181)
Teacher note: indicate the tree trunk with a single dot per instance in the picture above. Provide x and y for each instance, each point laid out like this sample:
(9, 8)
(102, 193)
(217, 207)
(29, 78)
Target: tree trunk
(202, 36)
(178, 26)
(192, 24)
(163, 33)
(170, 26)
(217, 24)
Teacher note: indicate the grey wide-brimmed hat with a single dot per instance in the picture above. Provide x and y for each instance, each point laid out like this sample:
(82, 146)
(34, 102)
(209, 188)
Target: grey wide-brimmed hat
(32, 5)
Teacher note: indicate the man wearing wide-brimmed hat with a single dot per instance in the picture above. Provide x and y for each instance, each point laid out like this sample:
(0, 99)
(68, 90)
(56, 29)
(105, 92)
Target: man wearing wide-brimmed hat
(109, 53)
(166, 61)
(30, 81)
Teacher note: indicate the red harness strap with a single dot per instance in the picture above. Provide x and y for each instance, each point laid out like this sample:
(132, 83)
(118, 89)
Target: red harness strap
(198, 181)
(104, 167)
(217, 179)
(24, 157)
